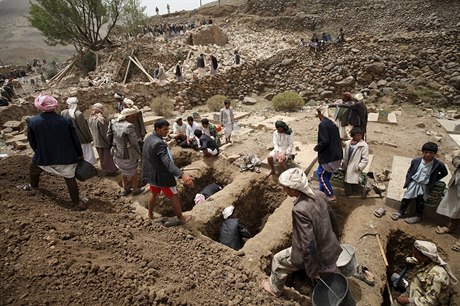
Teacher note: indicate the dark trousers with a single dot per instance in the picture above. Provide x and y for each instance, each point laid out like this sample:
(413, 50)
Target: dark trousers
(71, 183)
(419, 205)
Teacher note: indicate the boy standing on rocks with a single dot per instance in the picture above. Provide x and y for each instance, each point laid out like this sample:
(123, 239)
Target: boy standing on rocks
(421, 177)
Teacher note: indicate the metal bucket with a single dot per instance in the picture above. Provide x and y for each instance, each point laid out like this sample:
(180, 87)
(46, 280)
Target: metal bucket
(346, 263)
(332, 290)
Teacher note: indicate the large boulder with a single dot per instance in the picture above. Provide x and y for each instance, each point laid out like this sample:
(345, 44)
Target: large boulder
(376, 68)
(347, 82)
(455, 82)
(208, 35)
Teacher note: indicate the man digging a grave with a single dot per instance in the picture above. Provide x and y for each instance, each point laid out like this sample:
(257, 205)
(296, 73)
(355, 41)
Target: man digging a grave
(315, 247)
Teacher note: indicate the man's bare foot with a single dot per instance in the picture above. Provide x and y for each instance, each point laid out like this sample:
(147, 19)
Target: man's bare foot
(150, 215)
(267, 287)
(185, 218)
(331, 198)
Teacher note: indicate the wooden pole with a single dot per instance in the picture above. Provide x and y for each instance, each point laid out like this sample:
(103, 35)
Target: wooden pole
(381, 250)
(127, 70)
(143, 69)
(139, 65)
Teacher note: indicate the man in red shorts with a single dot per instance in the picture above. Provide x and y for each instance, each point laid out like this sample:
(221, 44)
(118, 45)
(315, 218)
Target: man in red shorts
(159, 170)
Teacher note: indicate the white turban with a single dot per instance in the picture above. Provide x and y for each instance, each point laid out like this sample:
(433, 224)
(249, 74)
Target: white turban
(128, 103)
(358, 96)
(126, 112)
(430, 250)
(98, 106)
(72, 102)
(323, 110)
(296, 179)
(117, 96)
(228, 211)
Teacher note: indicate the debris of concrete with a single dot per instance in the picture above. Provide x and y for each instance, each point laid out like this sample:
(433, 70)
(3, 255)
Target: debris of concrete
(249, 101)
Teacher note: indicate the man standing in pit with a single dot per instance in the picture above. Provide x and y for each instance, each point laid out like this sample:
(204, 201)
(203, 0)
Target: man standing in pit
(315, 247)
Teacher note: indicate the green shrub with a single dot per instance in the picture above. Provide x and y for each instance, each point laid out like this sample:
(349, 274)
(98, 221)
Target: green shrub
(288, 101)
(163, 106)
(215, 103)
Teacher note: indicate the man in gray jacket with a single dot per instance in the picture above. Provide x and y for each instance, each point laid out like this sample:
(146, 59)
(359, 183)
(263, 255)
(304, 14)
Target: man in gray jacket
(315, 247)
(159, 170)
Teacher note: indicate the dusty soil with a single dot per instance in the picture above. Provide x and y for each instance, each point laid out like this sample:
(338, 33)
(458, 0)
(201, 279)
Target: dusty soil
(107, 254)
(111, 254)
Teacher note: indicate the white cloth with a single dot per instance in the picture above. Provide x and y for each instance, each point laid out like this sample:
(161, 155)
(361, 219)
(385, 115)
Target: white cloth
(72, 102)
(283, 142)
(296, 179)
(199, 198)
(127, 112)
(323, 110)
(228, 211)
(67, 171)
(191, 129)
(213, 152)
(128, 167)
(419, 181)
(226, 119)
(430, 250)
(88, 153)
(179, 129)
(450, 203)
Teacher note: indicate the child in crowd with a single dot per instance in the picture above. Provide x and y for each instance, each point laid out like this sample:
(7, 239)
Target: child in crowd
(421, 177)
(355, 159)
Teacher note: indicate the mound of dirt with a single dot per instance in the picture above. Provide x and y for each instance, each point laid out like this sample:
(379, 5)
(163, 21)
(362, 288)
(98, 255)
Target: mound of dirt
(106, 254)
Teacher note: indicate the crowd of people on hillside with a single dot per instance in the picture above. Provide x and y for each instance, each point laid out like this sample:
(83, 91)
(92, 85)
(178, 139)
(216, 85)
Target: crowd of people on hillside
(317, 43)
(171, 30)
(159, 72)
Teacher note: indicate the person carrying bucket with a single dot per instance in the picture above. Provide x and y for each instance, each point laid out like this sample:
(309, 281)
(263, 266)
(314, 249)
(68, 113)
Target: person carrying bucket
(315, 246)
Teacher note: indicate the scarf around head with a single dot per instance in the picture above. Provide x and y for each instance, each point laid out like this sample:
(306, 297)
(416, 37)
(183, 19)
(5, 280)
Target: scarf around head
(45, 103)
(430, 250)
(296, 179)
(98, 112)
(72, 102)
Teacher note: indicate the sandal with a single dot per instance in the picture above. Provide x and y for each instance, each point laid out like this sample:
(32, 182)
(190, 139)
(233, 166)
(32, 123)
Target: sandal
(396, 216)
(456, 246)
(137, 191)
(365, 275)
(443, 230)
(379, 213)
(413, 220)
(25, 187)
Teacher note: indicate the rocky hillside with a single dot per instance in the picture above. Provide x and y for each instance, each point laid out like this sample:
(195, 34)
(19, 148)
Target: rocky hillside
(374, 16)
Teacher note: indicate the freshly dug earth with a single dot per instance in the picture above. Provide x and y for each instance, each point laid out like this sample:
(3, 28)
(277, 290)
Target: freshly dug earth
(52, 254)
